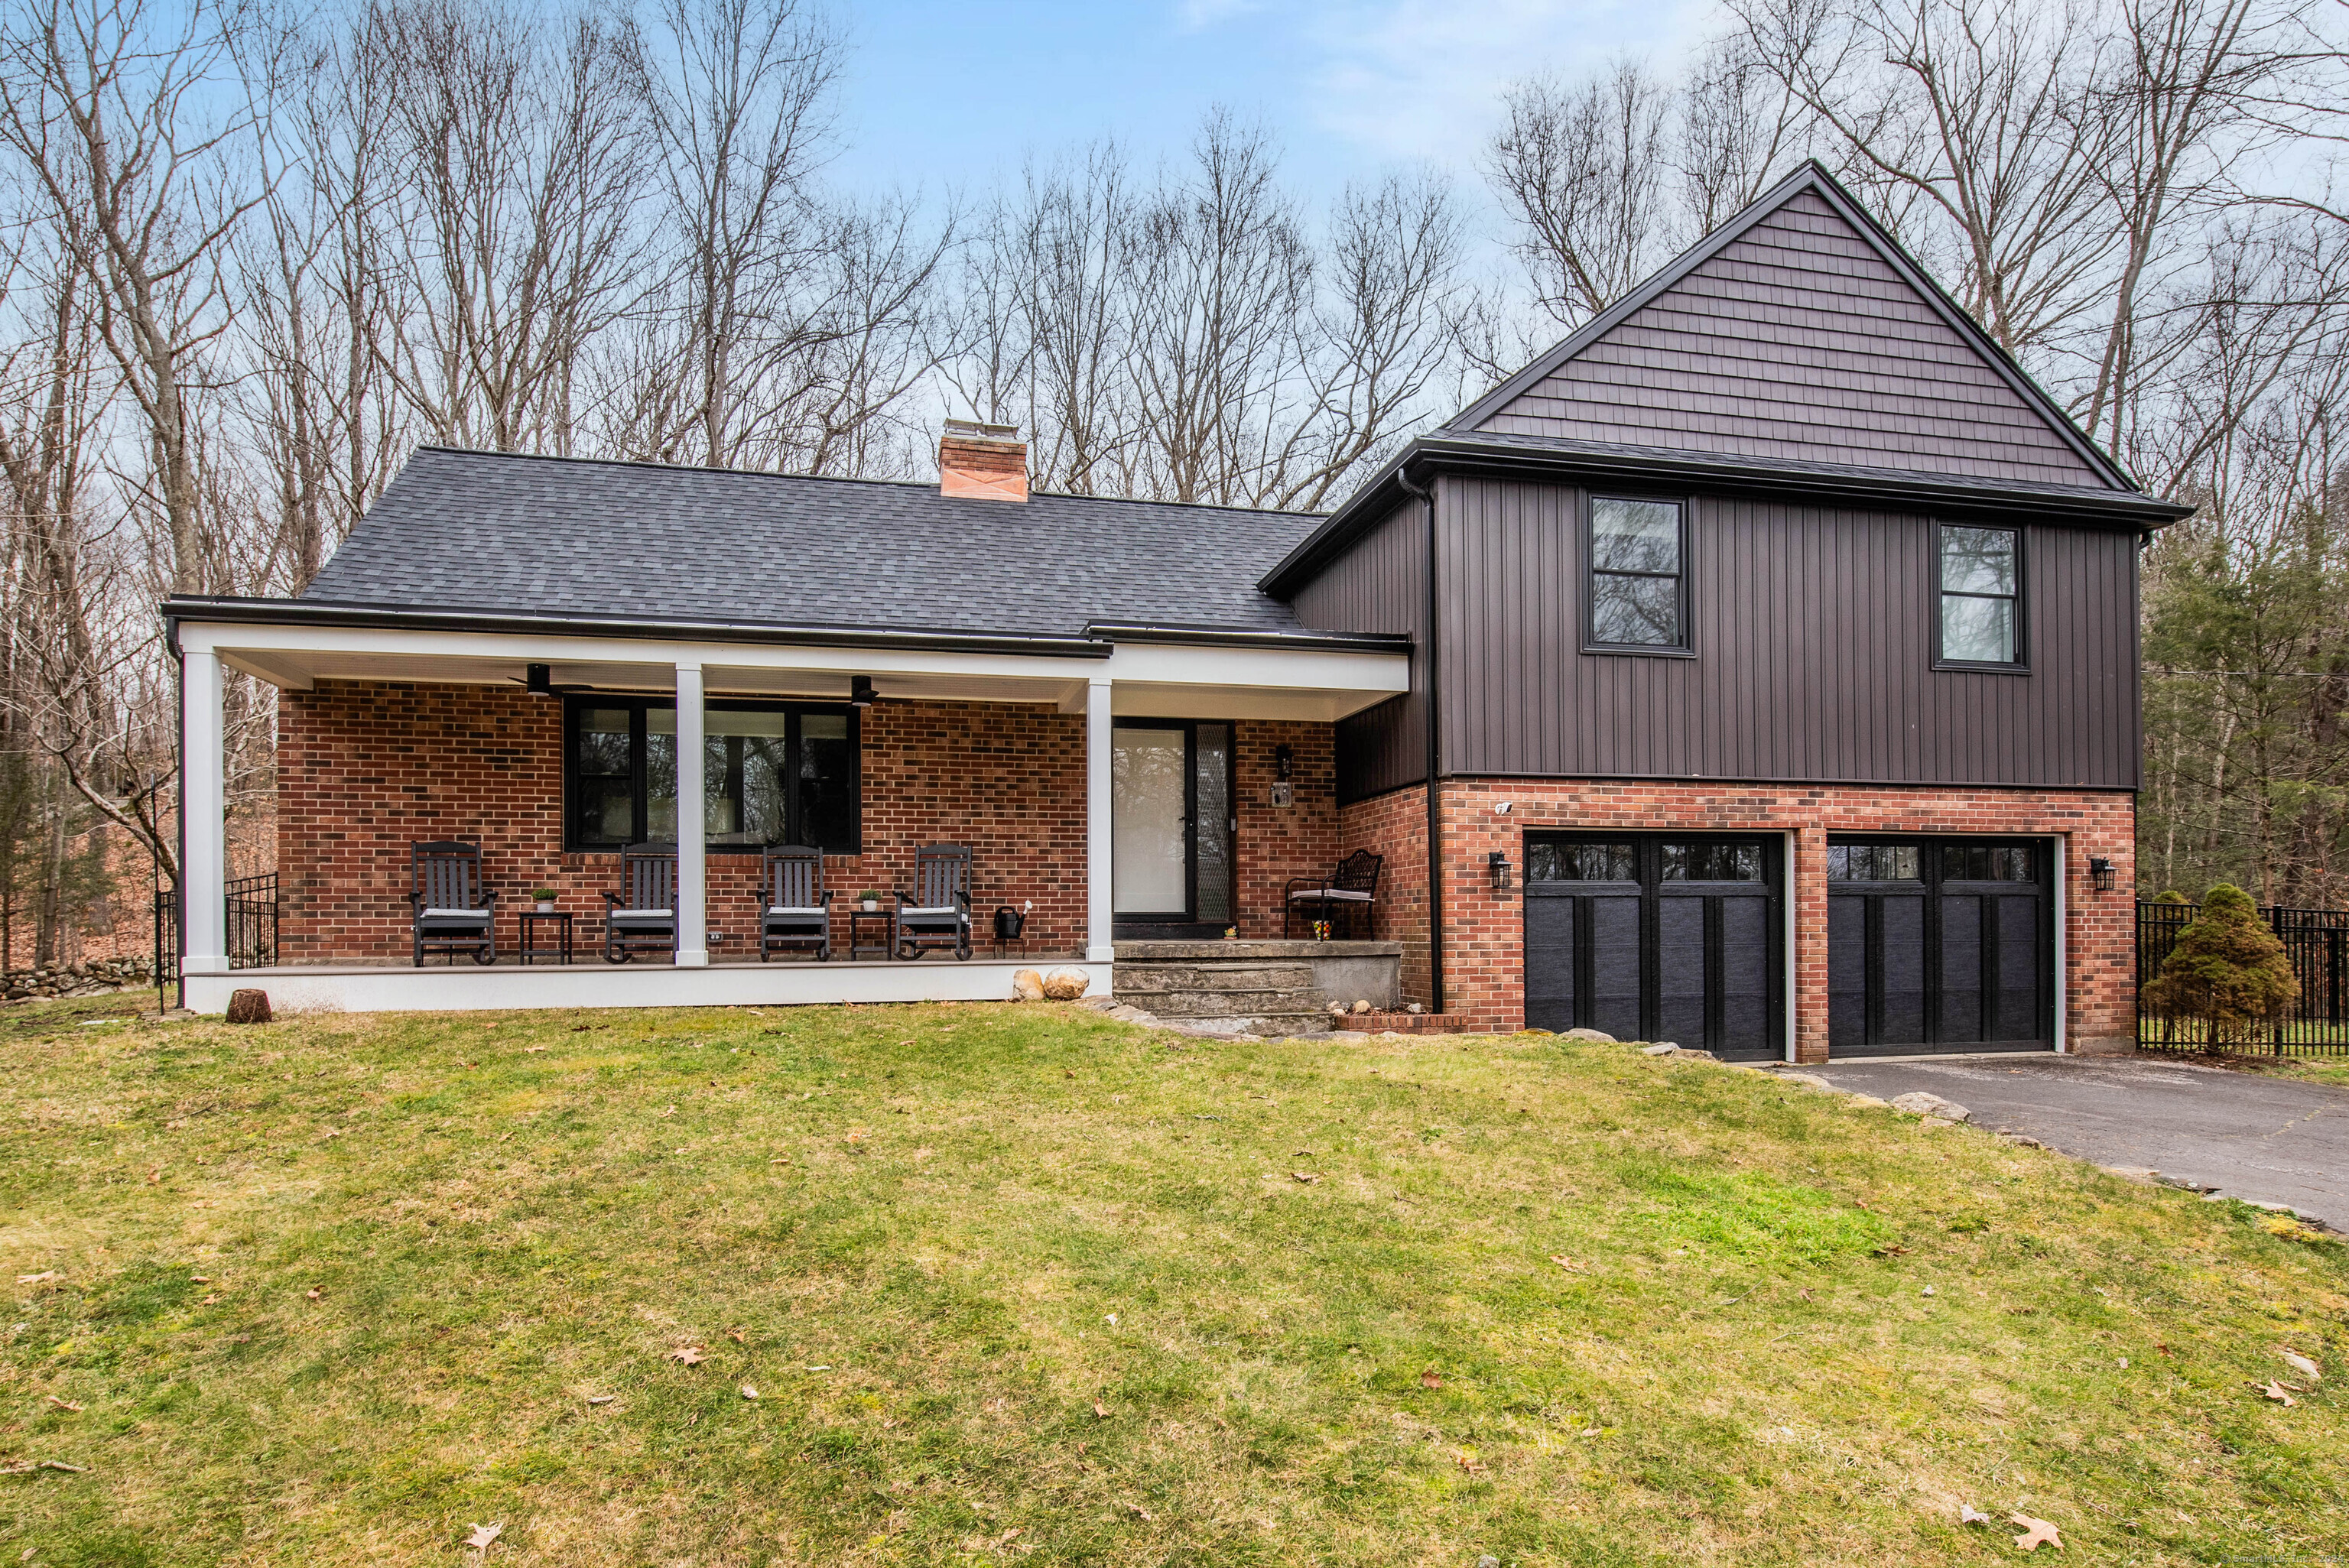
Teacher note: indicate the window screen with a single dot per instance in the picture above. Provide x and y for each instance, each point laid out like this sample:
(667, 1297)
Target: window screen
(1635, 573)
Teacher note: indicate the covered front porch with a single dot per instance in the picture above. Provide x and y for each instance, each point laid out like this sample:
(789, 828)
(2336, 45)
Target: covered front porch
(552, 742)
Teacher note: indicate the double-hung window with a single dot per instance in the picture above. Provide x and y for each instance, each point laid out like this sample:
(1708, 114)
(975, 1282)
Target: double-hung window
(1637, 597)
(770, 774)
(1982, 596)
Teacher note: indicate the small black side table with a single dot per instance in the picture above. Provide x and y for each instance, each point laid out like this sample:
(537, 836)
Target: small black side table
(858, 918)
(560, 918)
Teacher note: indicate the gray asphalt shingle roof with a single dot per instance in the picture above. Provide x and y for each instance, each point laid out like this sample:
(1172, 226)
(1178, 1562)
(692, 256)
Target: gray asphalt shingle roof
(461, 529)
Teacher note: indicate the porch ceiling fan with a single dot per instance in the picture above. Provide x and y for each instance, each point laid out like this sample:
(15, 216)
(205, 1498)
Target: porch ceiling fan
(539, 681)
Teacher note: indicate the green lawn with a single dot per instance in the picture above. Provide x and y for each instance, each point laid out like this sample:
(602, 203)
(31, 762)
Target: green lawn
(1024, 1284)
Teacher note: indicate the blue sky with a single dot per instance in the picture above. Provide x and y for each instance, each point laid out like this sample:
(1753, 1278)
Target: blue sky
(958, 94)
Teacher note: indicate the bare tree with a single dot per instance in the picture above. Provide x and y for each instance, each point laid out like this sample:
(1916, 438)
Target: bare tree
(109, 111)
(518, 159)
(1581, 169)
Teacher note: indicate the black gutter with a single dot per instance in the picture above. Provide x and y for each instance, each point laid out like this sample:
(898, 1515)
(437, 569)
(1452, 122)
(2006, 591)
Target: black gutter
(1214, 637)
(217, 610)
(1503, 458)
(1434, 705)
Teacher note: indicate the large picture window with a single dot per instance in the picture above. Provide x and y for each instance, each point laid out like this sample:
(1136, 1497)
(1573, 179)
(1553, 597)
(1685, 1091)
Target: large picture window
(770, 775)
(1982, 596)
(1637, 599)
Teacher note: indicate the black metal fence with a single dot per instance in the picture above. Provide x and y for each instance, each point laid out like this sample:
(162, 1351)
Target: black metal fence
(2314, 1021)
(250, 907)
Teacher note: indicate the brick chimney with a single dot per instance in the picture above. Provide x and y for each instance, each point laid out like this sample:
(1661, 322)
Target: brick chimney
(983, 462)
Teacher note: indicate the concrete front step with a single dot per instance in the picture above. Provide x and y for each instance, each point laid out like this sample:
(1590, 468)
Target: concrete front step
(1212, 985)
(1158, 979)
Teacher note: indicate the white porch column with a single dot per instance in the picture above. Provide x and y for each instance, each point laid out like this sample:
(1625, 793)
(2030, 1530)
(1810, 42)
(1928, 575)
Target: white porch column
(204, 817)
(692, 837)
(1099, 838)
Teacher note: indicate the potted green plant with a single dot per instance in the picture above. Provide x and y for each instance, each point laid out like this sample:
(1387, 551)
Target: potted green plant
(871, 899)
(544, 898)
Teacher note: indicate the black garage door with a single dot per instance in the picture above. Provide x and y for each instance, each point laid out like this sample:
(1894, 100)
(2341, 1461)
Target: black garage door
(1939, 945)
(1656, 937)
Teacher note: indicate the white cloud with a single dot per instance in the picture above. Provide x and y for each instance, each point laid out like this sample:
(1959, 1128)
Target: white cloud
(1420, 79)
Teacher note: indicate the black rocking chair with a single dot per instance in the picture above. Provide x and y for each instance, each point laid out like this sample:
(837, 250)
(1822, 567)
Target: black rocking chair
(936, 914)
(1354, 886)
(451, 912)
(795, 910)
(642, 916)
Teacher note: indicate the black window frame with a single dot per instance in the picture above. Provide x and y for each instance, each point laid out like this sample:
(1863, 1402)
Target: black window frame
(574, 704)
(2020, 664)
(1685, 506)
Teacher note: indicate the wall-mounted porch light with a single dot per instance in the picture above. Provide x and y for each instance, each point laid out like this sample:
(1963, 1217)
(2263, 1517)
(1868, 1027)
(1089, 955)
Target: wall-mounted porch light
(537, 679)
(1498, 863)
(859, 691)
(2100, 874)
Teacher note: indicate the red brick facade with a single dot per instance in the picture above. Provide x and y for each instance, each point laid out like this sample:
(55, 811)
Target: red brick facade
(366, 767)
(1484, 930)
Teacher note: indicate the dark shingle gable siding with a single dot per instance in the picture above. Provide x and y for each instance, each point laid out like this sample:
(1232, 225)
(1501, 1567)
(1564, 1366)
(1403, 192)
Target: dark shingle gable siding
(463, 529)
(1798, 341)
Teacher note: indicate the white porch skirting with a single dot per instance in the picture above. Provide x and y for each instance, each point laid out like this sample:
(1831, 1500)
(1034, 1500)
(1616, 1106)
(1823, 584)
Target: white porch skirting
(467, 987)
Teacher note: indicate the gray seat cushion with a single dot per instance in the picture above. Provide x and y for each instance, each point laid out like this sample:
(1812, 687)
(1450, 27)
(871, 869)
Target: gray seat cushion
(781, 912)
(1316, 894)
(477, 917)
(640, 917)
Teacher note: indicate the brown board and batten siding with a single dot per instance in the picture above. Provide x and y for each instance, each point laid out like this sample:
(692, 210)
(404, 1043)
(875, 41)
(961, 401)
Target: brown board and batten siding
(1812, 628)
(1798, 340)
(1380, 584)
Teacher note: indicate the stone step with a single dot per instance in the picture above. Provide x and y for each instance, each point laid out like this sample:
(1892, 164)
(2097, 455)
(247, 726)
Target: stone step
(1163, 977)
(1267, 1024)
(1201, 1004)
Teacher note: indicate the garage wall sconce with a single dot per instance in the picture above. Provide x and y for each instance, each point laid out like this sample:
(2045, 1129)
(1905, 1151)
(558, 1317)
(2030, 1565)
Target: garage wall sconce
(2100, 874)
(1498, 863)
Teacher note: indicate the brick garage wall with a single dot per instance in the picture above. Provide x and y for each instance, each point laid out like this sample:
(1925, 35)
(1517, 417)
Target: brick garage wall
(1484, 932)
(1395, 825)
(366, 767)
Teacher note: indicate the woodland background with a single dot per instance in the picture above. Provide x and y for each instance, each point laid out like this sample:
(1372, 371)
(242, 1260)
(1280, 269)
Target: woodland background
(250, 256)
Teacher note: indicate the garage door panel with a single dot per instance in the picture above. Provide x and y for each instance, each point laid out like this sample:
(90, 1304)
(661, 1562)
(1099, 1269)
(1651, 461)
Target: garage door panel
(2017, 1008)
(1680, 970)
(1961, 990)
(1903, 960)
(1846, 973)
(1550, 963)
(1746, 1012)
(1615, 966)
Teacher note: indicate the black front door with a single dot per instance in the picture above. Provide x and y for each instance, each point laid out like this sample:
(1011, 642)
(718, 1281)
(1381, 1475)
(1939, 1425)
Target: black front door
(1939, 945)
(1659, 936)
(1173, 825)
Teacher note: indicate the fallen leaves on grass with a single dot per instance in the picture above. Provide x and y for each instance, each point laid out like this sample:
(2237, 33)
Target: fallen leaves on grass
(601, 1398)
(29, 1466)
(1969, 1514)
(482, 1535)
(2299, 1364)
(532, 1050)
(687, 1356)
(62, 1404)
(2277, 1391)
(1138, 1512)
(1467, 1460)
(1306, 1177)
(1430, 1380)
(1100, 1408)
(2037, 1533)
(1568, 1265)
(736, 1336)
(316, 1294)
(748, 1392)
(44, 1277)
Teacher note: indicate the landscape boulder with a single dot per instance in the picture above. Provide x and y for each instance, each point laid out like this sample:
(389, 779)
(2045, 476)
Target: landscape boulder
(1596, 1036)
(1066, 984)
(1921, 1103)
(248, 1008)
(1028, 985)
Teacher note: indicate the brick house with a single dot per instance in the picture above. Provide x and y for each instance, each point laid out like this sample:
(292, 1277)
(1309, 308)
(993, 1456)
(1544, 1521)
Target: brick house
(1757, 670)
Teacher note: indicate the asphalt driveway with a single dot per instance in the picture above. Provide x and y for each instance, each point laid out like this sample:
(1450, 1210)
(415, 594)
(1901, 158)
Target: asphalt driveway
(2259, 1139)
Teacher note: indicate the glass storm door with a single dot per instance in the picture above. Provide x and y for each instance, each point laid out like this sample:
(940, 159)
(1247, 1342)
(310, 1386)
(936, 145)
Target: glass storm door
(1150, 868)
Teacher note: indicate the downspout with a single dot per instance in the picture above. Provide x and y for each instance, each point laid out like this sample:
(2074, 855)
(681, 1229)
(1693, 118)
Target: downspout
(1434, 757)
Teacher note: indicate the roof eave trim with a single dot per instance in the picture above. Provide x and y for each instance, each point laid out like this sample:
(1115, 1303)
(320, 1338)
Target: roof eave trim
(1224, 638)
(206, 608)
(2108, 509)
